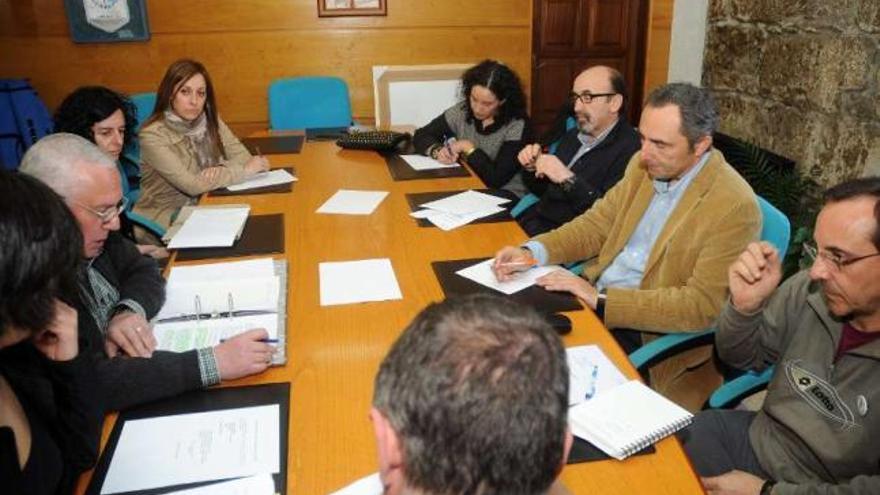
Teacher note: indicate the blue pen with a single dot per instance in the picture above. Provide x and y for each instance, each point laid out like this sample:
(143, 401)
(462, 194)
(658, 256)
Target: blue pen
(593, 376)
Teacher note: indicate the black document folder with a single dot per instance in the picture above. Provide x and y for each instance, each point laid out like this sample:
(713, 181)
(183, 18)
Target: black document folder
(277, 188)
(400, 170)
(274, 145)
(584, 451)
(262, 234)
(196, 402)
(415, 199)
(542, 300)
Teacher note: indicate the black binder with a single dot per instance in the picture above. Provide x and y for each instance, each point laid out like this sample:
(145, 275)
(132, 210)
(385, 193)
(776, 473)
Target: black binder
(262, 234)
(400, 170)
(202, 401)
(274, 145)
(542, 300)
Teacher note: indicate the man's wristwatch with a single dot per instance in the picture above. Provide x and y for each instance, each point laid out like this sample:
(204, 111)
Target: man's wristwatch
(767, 487)
(601, 297)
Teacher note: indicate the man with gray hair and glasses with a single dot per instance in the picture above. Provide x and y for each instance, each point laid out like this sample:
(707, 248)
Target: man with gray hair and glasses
(473, 399)
(817, 430)
(658, 244)
(120, 290)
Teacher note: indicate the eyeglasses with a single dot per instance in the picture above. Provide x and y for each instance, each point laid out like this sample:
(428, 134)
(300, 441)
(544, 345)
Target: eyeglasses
(109, 214)
(836, 260)
(586, 97)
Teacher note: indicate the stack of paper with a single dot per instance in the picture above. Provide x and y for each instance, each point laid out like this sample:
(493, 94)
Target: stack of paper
(350, 202)
(591, 373)
(460, 209)
(481, 273)
(206, 304)
(419, 162)
(264, 179)
(189, 448)
(210, 227)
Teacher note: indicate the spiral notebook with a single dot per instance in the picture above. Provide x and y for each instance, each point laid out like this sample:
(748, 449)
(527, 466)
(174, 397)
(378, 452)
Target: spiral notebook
(626, 419)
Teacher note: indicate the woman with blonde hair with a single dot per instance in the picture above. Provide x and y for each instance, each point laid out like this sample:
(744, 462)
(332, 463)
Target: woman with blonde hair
(186, 149)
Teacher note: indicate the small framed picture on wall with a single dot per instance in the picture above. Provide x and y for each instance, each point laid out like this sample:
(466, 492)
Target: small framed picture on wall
(107, 21)
(337, 8)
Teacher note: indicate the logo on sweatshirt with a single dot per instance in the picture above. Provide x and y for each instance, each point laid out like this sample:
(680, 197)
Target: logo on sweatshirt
(819, 394)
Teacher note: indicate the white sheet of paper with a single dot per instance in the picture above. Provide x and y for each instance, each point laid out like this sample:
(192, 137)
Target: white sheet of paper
(215, 227)
(465, 203)
(368, 485)
(264, 179)
(347, 282)
(582, 360)
(482, 274)
(261, 484)
(419, 162)
(349, 202)
(187, 448)
(182, 336)
(245, 294)
(222, 272)
(449, 221)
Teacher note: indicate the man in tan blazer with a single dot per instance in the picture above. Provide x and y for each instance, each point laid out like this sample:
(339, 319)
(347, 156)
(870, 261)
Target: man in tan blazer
(659, 243)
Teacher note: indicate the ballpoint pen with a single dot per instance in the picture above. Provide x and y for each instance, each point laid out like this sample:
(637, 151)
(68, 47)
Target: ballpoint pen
(593, 376)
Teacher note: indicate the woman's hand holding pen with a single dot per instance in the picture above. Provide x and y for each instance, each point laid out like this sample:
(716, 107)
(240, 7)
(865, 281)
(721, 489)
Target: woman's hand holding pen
(257, 163)
(510, 260)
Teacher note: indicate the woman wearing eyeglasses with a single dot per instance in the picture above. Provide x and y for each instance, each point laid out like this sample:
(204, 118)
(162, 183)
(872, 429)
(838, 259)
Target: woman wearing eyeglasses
(106, 118)
(50, 418)
(186, 149)
(486, 129)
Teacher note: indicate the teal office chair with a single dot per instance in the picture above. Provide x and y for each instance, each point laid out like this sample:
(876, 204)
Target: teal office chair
(776, 230)
(310, 102)
(130, 167)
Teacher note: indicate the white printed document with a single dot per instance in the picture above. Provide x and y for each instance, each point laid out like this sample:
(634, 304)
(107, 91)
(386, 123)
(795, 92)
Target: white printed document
(465, 203)
(185, 335)
(449, 221)
(188, 448)
(349, 202)
(212, 227)
(420, 162)
(349, 282)
(264, 179)
(590, 373)
(261, 484)
(481, 273)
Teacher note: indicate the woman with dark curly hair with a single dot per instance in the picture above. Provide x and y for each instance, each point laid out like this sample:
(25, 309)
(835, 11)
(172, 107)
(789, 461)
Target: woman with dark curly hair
(486, 129)
(108, 119)
(50, 413)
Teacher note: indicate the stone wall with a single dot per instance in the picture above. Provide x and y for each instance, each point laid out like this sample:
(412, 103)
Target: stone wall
(800, 78)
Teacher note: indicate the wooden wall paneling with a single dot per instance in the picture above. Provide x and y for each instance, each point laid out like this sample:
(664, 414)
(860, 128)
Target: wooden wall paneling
(657, 46)
(560, 33)
(247, 44)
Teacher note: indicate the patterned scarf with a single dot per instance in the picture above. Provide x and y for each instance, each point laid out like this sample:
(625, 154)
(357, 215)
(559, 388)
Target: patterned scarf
(196, 132)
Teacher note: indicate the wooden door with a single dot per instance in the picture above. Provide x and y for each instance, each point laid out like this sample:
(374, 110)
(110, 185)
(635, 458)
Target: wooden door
(571, 35)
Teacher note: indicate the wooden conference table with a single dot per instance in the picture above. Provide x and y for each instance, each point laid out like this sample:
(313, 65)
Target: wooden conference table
(334, 352)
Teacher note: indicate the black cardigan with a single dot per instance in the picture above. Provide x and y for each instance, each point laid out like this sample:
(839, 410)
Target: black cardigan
(124, 381)
(596, 172)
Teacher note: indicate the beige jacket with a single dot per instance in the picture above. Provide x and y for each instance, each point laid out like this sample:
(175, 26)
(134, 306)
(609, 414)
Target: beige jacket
(685, 281)
(169, 171)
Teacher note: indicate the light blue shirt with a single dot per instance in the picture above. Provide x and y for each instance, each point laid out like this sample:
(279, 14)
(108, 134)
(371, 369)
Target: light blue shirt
(589, 142)
(628, 267)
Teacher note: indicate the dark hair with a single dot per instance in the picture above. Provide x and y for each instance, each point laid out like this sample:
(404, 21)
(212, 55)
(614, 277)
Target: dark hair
(699, 116)
(178, 73)
(87, 105)
(477, 389)
(854, 188)
(618, 85)
(502, 82)
(40, 249)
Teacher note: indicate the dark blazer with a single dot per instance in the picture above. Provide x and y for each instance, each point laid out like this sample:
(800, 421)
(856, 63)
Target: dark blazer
(596, 172)
(123, 381)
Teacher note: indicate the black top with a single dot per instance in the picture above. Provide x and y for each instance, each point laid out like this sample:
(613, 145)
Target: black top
(65, 414)
(124, 381)
(497, 145)
(596, 171)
